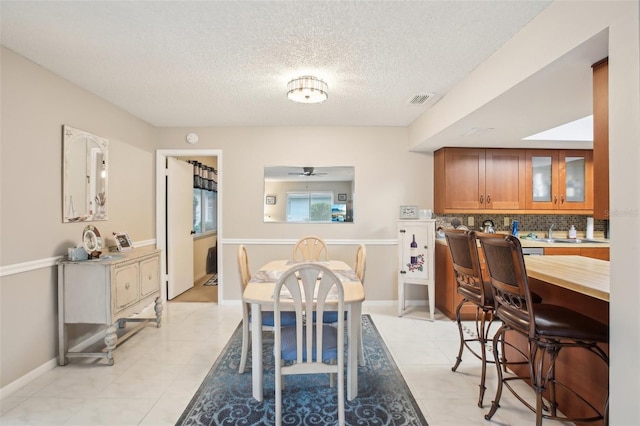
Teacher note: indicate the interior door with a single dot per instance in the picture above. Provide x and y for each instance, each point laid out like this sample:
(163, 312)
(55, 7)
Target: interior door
(179, 227)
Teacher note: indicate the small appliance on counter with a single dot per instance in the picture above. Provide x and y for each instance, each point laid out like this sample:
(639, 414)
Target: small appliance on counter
(488, 227)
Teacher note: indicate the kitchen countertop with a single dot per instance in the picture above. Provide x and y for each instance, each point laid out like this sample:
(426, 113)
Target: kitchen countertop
(527, 242)
(577, 273)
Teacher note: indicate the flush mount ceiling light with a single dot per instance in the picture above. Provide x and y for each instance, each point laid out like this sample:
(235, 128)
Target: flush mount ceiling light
(307, 90)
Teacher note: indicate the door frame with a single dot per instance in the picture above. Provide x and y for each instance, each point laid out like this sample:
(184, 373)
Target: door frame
(161, 214)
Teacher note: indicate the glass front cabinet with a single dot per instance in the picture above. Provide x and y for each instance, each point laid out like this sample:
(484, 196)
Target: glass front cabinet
(559, 180)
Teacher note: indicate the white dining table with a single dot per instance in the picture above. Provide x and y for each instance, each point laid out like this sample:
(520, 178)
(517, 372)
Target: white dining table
(259, 293)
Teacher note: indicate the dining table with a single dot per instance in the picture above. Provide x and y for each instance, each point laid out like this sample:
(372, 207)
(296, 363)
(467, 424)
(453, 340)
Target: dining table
(259, 293)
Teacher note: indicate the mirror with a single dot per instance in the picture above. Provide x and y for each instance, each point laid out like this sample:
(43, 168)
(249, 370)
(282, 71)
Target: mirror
(85, 172)
(305, 194)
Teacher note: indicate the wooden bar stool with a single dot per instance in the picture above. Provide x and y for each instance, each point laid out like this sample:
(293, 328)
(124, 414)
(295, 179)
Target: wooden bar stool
(463, 247)
(547, 328)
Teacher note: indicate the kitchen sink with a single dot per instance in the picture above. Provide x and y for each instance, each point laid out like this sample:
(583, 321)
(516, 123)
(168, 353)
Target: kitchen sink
(567, 240)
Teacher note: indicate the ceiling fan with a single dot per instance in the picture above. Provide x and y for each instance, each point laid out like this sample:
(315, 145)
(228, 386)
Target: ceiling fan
(308, 171)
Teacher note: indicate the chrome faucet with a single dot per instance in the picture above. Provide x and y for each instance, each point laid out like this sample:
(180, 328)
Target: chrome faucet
(550, 235)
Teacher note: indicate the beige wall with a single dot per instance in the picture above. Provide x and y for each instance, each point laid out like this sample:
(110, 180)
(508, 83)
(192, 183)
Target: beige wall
(387, 175)
(35, 105)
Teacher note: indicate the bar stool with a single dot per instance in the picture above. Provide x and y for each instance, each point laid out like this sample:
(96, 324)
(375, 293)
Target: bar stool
(463, 246)
(472, 286)
(547, 328)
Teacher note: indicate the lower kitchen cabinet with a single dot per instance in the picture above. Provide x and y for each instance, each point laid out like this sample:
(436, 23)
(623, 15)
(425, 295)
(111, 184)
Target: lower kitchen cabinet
(593, 252)
(447, 297)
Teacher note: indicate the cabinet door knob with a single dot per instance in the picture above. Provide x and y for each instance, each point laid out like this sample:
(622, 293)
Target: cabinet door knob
(126, 286)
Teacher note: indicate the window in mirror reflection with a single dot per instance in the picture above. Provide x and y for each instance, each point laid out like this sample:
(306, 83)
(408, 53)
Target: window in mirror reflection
(309, 206)
(296, 194)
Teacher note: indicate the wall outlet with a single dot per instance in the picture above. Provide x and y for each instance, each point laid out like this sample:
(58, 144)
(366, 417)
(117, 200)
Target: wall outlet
(507, 221)
(470, 221)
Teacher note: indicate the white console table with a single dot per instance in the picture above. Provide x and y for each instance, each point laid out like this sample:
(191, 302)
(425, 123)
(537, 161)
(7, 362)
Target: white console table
(110, 290)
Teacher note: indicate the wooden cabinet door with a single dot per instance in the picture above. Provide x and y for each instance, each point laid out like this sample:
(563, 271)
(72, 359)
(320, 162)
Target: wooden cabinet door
(541, 179)
(596, 253)
(464, 178)
(505, 179)
(601, 139)
(562, 251)
(575, 179)
(559, 179)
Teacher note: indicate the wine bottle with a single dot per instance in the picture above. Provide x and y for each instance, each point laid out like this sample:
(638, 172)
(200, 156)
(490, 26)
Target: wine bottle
(414, 251)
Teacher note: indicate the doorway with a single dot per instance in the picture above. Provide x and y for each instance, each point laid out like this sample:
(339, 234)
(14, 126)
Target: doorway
(161, 215)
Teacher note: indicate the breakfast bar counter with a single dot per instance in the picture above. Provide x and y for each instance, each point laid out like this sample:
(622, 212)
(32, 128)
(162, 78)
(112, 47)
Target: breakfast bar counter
(581, 274)
(582, 284)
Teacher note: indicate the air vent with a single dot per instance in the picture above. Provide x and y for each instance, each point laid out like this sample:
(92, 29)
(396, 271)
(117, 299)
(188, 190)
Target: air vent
(420, 99)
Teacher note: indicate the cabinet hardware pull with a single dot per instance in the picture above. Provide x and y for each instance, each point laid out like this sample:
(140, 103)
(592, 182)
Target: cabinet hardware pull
(555, 199)
(126, 286)
(488, 198)
(149, 277)
(562, 199)
(481, 198)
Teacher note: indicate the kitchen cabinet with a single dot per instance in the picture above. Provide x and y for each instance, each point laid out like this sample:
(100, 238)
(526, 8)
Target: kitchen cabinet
(476, 180)
(559, 180)
(601, 253)
(416, 245)
(111, 290)
(447, 297)
(601, 139)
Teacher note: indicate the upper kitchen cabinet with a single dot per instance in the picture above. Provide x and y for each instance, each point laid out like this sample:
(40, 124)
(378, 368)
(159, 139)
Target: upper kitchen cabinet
(601, 139)
(559, 180)
(477, 180)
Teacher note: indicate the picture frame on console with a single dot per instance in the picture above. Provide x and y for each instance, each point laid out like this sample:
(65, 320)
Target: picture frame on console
(123, 242)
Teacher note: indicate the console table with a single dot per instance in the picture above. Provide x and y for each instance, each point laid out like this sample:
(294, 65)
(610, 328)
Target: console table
(110, 290)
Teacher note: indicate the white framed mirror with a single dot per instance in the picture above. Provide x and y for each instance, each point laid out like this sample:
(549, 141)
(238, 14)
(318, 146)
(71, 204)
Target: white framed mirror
(309, 194)
(85, 176)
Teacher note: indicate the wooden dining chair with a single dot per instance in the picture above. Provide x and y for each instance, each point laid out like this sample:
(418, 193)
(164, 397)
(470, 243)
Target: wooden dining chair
(310, 248)
(332, 316)
(308, 348)
(288, 318)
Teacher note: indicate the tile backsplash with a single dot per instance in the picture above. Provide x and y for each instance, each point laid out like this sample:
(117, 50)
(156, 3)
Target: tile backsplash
(528, 222)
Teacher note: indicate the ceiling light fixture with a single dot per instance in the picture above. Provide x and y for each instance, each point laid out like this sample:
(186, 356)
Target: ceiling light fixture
(307, 90)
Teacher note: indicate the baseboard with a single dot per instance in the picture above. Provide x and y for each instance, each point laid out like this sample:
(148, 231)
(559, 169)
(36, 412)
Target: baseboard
(27, 378)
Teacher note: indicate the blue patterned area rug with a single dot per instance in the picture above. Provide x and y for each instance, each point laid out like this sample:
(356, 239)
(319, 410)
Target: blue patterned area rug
(224, 398)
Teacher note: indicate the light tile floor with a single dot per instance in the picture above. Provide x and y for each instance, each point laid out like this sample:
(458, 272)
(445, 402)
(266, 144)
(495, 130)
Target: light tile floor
(158, 371)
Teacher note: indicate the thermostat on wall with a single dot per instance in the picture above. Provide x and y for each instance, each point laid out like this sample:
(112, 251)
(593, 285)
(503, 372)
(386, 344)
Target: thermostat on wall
(192, 138)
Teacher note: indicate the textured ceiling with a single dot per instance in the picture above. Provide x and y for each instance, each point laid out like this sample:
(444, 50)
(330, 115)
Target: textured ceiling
(227, 63)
